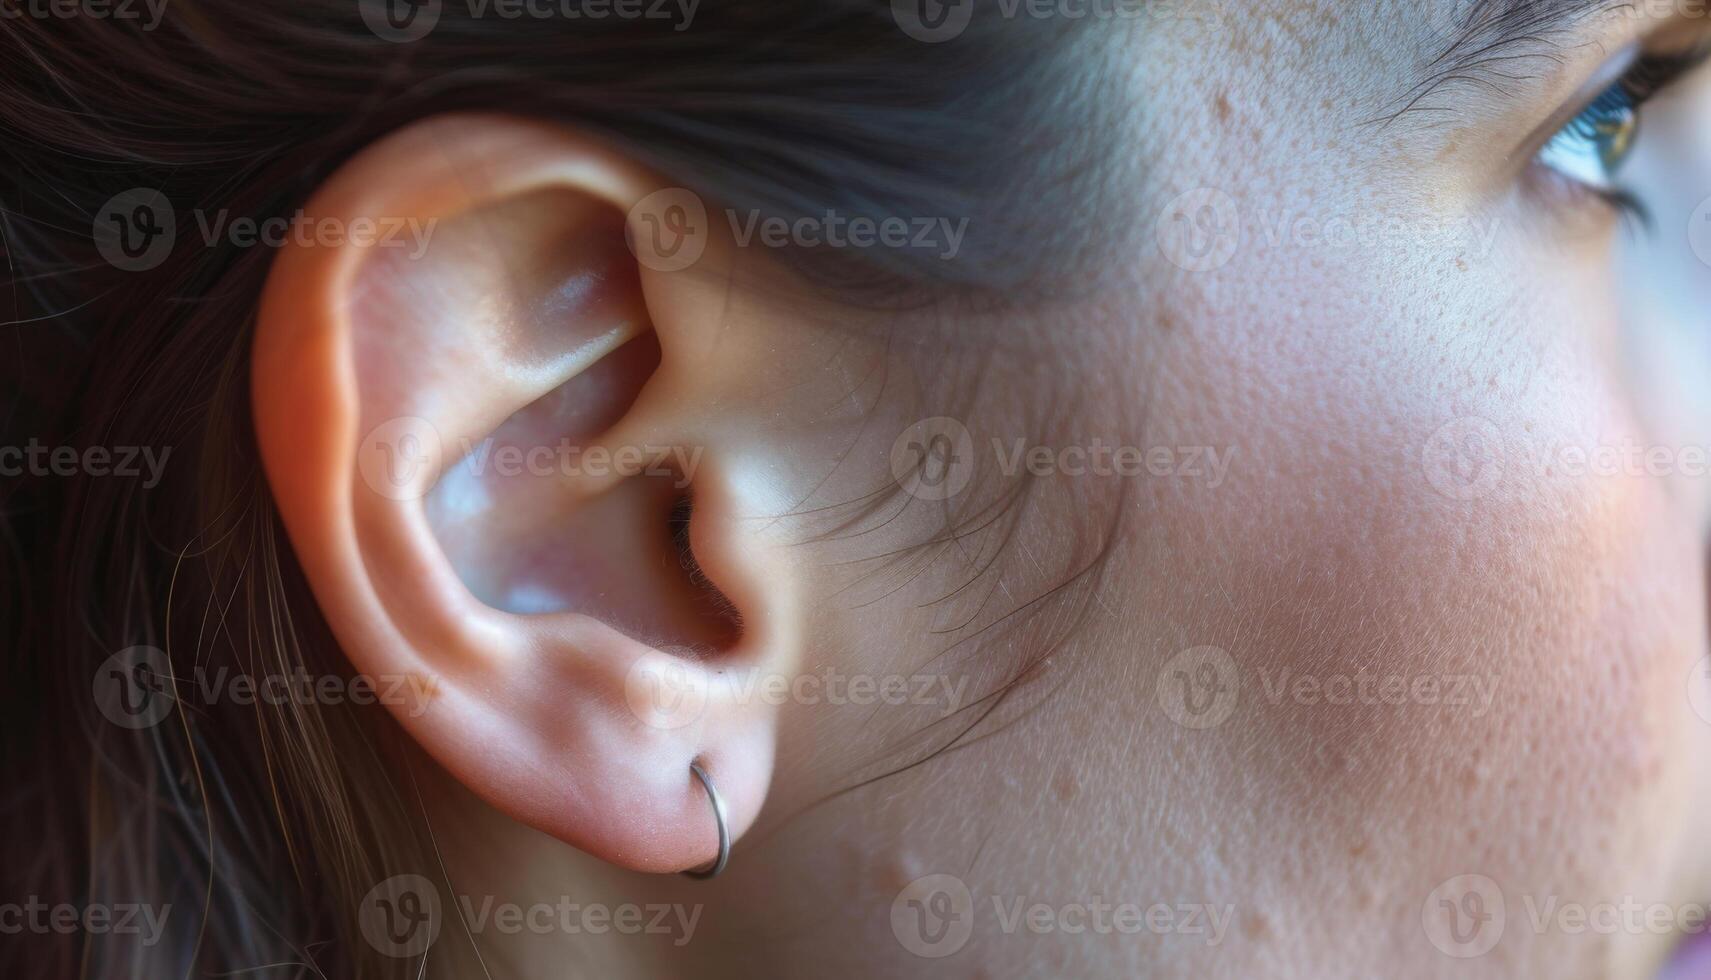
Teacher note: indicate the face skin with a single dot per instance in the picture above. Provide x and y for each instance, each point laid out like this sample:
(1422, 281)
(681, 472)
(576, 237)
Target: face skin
(1441, 642)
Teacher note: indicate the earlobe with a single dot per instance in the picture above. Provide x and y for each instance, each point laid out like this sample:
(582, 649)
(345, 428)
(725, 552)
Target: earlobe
(499, 479)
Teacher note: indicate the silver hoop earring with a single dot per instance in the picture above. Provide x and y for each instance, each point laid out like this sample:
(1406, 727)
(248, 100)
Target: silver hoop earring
(719, 862)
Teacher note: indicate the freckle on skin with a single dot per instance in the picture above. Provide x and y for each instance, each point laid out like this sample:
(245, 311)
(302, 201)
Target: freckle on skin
(1065, 786)
(1221, 107)
(1256, 926)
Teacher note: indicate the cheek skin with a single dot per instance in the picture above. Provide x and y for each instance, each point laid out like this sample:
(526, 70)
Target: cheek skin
(1558, 614)
(1566, 608)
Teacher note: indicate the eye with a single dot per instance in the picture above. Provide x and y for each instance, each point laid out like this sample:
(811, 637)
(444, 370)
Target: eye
(1594, 145)
(1591, 149)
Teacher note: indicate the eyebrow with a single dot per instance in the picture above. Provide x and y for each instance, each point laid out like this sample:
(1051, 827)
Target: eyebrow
(1489, 26)
(1491, 42)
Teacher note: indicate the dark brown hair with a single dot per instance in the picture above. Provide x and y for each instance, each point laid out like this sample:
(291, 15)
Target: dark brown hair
(260, 826)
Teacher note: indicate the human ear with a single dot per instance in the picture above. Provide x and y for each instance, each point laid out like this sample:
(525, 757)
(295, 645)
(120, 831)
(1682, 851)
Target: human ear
(509, 456)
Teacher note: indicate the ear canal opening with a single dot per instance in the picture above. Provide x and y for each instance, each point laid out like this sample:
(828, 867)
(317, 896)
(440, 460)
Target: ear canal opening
(523, 532)
(723, 616)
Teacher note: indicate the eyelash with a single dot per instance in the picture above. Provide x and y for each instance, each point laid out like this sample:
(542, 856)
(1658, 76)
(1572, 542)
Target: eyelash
(1615, 106)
